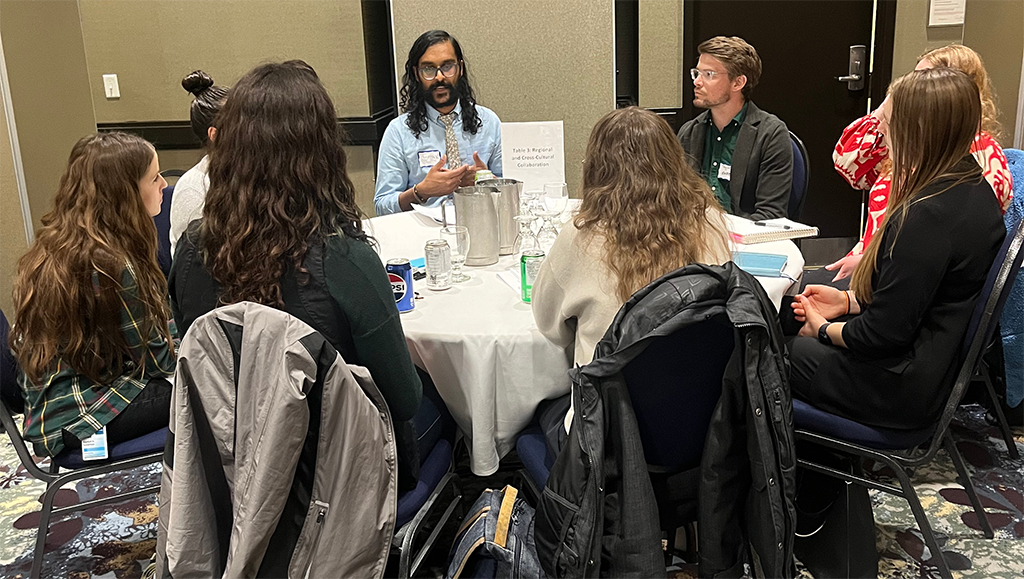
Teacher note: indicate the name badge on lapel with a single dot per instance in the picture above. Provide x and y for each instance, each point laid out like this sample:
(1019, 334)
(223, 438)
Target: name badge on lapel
(429, 158)
(725, 172)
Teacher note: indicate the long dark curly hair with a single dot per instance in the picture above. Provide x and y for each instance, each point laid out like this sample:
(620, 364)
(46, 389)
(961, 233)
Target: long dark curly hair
(413, 97)
(278, 182)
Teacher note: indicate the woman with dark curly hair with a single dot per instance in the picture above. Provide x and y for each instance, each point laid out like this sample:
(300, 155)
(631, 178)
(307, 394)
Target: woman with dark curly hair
(443, 138)
(281, 228)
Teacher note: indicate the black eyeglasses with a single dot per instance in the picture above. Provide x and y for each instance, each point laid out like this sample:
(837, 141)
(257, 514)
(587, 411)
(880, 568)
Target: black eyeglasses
(448, 69)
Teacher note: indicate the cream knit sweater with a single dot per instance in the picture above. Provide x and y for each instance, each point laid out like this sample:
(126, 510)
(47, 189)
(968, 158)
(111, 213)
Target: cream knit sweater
(574, 297)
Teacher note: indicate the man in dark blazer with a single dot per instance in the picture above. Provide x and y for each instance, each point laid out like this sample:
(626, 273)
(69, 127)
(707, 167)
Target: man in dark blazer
(744, 153)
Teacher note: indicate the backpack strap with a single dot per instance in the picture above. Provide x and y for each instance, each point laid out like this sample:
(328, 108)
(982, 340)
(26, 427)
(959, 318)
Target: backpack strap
(505, 515)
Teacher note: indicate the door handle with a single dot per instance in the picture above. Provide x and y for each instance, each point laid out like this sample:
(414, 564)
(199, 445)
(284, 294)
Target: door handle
(854, 78)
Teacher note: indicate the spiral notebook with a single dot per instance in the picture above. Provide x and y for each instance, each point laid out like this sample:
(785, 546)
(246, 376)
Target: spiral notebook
(750, 232)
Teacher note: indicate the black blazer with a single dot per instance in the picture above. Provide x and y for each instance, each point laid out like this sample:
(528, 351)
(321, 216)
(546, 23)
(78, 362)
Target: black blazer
(905, 346)
(762, 164)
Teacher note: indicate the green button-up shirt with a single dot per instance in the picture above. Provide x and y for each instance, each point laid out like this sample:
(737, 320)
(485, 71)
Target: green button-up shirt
(718, 149)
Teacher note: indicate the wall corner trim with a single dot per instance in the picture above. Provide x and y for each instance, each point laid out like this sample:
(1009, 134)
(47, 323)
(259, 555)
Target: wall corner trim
(12, 134)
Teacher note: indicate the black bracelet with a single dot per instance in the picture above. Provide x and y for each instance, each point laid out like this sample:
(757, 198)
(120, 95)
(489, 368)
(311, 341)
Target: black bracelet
(823, 336)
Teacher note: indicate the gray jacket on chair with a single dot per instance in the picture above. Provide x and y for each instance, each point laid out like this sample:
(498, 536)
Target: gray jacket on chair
(762, 164)
(281, 457)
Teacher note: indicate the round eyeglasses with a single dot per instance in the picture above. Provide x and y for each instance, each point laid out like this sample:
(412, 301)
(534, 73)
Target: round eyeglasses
(708, 75)
(448, 69)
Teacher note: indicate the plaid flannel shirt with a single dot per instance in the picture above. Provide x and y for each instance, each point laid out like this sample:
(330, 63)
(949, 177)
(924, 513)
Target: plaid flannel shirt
(66, 400)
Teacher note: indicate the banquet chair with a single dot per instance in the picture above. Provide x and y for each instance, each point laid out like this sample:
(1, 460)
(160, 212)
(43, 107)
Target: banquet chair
(163, 224)
(673, 410)
(127, 455)
(801, 178)
(433, 502)
(903, 450)
(1011, 323)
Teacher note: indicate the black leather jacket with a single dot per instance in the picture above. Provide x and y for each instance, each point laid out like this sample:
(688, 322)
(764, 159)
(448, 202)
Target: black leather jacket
(598, 515)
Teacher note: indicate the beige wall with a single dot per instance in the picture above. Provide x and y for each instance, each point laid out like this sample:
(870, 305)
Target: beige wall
(913, 36)
(49, 89)
(361, 169)
(661, 54)
(152, 44)
(181, 159)
(995, 29)
(12, 226)
(539, 60)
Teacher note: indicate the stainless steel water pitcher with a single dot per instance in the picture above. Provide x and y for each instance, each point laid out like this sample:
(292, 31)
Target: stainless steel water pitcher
(507, 206)
(488, 210)
(475, 209)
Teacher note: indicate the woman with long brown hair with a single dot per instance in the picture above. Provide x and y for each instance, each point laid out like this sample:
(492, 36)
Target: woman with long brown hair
(90, 324)
(644, 213)
(862, 158)
(281, 228)
(892, 365)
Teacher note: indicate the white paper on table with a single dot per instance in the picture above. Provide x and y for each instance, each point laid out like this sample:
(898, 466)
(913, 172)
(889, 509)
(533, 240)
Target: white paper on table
(435, 212)
(511, 277)
(533, 153)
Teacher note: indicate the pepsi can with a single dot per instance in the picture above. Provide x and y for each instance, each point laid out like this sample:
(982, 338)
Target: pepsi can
(400, 276)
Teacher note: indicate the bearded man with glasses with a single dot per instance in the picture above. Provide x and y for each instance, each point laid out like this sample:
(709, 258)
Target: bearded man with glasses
(743, 153)
(442, 138)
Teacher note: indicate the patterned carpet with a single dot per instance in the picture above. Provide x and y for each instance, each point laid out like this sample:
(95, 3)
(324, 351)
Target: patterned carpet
(117, 541)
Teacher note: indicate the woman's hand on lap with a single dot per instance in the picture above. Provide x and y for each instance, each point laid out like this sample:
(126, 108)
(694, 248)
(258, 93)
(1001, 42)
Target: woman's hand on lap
(812, 318)
(827, 302)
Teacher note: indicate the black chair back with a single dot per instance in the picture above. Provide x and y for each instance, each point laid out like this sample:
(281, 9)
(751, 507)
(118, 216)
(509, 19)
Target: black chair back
(984, 320)
(10, 390)
(163, 232)
(801, 178)
(674, 386)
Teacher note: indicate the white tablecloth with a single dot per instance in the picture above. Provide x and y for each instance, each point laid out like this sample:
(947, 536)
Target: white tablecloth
(481, 347)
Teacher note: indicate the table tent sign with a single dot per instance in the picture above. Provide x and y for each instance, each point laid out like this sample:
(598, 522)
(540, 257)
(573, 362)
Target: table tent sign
(533, 153)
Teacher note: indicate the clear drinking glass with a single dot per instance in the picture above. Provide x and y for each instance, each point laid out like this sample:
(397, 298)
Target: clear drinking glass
(526, 240)
(457, 237)
(556, 197)
(527, 201)
(551, 204)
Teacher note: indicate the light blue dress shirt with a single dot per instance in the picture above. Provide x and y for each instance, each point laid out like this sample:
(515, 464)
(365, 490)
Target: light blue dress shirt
(398, 163)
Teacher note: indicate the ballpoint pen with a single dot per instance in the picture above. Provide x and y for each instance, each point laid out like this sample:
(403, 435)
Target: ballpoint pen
(775, 225)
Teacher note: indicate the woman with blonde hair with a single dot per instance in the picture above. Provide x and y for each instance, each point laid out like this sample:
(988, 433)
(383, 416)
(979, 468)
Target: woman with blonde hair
(892, 364)
(862, 158)
(644, 213)
(90, 329)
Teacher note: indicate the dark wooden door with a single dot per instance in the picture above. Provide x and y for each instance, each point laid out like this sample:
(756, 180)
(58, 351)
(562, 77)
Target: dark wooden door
(804, 45)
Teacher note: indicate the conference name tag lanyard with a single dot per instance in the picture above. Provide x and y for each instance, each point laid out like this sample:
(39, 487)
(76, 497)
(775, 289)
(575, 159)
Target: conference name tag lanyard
(95, 447)
(725, 172)
(429, 158)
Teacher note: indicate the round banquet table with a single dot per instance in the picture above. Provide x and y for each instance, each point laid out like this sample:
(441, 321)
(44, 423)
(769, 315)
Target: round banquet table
(479, 343)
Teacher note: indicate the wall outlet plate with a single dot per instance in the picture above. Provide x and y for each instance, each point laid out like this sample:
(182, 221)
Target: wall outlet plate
(110, 88)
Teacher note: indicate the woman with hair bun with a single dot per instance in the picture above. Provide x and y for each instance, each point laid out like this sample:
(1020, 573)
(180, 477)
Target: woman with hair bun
(190, 190)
